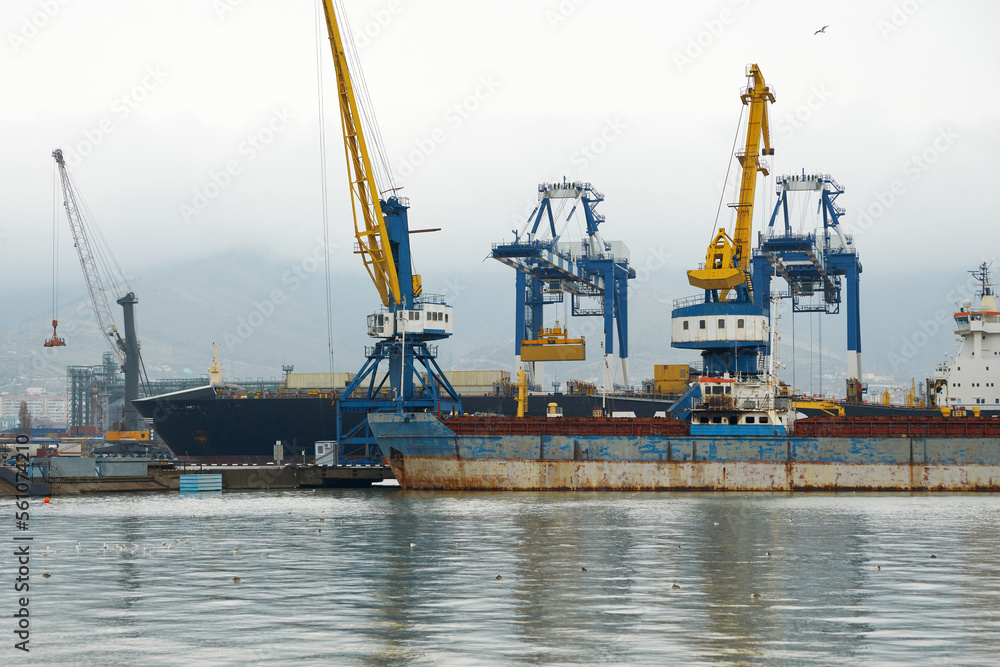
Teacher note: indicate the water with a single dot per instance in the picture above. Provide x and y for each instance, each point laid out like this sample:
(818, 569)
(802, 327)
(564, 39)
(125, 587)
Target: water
(383, 576)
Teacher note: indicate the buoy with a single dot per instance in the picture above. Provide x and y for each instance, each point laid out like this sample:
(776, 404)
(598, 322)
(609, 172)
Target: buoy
(46, 500)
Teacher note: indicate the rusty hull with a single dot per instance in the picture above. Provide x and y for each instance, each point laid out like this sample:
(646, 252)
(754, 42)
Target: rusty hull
(518, 475)
(425, 453)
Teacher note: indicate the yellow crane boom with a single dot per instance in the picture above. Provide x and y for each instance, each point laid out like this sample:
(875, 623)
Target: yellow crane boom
(369, 228)
(727, 259)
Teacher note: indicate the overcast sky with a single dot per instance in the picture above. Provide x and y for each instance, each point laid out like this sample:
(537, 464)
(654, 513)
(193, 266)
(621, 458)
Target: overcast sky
(479, 102)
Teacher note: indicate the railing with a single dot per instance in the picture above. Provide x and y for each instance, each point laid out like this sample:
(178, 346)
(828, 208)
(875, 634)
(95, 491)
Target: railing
(729, 404)
(696, 300)
(425, 298)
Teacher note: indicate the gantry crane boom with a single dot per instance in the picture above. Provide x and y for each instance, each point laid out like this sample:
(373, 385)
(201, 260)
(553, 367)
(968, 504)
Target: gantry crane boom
(728, 258)
(370, 227)
(88, 261)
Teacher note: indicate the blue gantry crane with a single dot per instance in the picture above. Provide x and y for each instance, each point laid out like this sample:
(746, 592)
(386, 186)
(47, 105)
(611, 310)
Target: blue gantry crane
(594, 272)
(409, 319)
(813, 263)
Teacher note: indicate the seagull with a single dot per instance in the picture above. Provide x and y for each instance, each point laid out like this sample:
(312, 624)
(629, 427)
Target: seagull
(823, 30)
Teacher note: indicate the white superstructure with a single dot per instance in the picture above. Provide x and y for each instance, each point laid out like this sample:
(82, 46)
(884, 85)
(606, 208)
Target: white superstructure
(970, 380)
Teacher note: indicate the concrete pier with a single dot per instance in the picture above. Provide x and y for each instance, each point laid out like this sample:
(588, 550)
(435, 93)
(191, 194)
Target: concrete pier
(166, 477)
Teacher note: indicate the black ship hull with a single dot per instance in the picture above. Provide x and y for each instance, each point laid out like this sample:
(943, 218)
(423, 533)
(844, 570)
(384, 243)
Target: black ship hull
(212, 426)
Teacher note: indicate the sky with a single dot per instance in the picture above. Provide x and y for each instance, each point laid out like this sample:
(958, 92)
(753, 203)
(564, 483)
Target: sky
(192, 127)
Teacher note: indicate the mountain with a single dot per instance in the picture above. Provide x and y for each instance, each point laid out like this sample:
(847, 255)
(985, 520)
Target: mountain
(265, 311)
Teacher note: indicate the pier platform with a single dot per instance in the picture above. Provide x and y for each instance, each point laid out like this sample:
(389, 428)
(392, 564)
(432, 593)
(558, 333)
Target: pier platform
(166, 477)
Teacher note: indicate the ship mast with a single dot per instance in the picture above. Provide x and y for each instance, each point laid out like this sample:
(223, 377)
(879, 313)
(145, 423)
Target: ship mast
(982, 276)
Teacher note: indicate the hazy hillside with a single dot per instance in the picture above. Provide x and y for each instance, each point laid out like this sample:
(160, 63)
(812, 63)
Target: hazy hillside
(265, 312)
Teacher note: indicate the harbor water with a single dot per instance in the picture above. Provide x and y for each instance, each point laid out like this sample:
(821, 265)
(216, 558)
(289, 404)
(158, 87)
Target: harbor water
(385, 577)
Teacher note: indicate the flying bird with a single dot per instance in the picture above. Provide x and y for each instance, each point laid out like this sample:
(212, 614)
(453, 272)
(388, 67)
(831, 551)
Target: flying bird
(823, 30)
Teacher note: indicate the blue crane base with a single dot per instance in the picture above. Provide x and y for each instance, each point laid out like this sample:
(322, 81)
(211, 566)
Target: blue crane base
(402, 388)
(720, 355)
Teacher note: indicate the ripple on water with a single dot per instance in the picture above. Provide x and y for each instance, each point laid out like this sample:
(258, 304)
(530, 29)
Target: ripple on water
(412, 577)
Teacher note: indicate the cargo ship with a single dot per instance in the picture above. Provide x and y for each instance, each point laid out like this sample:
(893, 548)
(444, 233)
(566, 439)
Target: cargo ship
(743, 434)
(727, 446)
(962, 384)
(225, 423)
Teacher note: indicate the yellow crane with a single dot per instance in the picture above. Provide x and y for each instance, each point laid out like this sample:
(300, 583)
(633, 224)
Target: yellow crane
(728, 257)
(369, 227)
(409, 318)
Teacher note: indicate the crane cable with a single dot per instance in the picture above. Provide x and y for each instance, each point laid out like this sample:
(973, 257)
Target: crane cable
(732, 153)
(55, 243)
(320, 32)
(102, 250)
(384, 182)
(383, 176)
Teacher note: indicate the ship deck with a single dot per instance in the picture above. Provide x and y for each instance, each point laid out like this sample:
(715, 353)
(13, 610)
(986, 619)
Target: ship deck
(812, 427)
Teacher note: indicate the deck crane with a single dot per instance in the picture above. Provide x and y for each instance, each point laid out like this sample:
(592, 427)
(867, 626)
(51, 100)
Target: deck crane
(409, 318)
(729, 323)
(548, 267)
(125, 349)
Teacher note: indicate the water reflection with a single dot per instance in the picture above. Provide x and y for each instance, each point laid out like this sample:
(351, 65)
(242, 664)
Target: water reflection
(384, 577)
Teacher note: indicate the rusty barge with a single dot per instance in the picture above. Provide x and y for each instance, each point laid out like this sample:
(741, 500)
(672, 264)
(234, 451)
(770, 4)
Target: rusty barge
(496, 453)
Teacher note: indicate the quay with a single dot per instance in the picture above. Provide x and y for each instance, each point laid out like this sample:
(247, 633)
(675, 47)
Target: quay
(72, 476)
